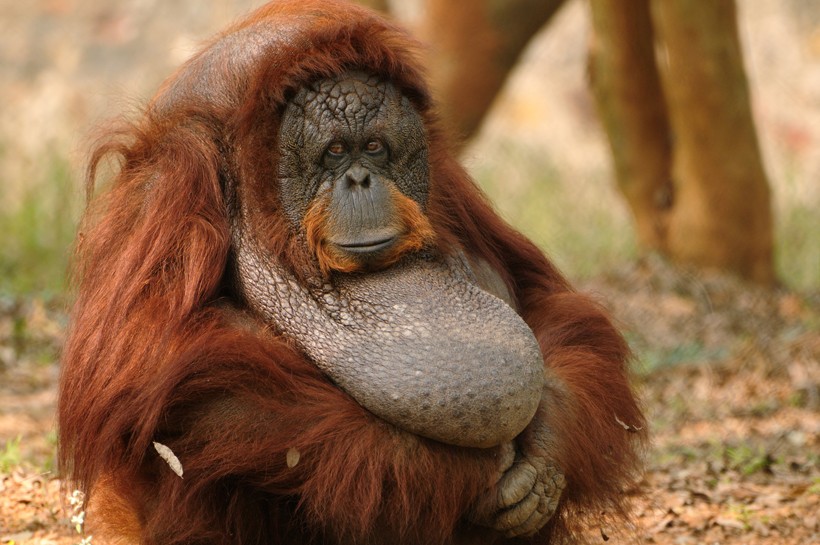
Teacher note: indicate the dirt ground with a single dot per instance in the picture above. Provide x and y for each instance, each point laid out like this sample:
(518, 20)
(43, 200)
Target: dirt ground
(729, 376)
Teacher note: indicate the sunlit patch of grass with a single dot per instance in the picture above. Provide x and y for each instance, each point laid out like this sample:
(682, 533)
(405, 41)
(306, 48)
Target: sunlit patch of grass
(583, 227)
(49, 465)
(748, 460)
(797, 245)
(38, 226)
(10, 456)
(13, 453)
(796, 205)
(740, 513)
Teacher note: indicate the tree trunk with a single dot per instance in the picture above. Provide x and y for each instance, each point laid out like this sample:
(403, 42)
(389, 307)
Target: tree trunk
(700, 197)
(722, 215)
(474, 45)
(627, 89)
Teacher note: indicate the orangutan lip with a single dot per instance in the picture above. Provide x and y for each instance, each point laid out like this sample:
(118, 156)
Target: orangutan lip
(369, 246)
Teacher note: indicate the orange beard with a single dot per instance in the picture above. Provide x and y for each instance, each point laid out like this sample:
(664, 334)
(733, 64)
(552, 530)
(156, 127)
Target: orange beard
(416, 233)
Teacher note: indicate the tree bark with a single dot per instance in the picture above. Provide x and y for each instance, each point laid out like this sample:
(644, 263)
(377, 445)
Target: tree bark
(474, 45)
(627, 88)
(722, 214)
(701, 197)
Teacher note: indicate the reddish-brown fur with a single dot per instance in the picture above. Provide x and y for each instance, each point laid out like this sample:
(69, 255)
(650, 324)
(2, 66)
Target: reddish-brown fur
(159, 349)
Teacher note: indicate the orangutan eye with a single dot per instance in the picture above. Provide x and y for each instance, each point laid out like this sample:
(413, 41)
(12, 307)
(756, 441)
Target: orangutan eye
(336, 148)
(374, 147)
(334, 154)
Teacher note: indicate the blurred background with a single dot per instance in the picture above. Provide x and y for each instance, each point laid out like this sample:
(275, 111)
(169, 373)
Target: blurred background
(541, 151)
(666, 156)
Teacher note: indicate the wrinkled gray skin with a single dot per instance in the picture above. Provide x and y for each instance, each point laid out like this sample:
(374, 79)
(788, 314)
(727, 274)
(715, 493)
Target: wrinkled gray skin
(429, 344)
(352, 112)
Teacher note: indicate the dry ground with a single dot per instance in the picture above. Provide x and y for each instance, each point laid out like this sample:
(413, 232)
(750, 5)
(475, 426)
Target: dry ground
(730, 380)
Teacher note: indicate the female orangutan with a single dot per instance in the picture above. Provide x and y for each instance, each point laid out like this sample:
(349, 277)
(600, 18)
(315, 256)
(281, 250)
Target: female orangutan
(293, 293)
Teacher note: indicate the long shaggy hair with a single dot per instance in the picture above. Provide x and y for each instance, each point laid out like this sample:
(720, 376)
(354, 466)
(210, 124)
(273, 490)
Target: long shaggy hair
(159, 350)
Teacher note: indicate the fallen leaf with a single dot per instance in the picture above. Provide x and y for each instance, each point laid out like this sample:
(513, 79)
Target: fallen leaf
(168, 455)
(726, 522)
(292, 457)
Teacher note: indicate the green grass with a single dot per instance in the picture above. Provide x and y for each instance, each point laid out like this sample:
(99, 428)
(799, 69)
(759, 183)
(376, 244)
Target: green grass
(797, 252)
(10, 455)
(653, 357)
(584, 228)
(38, 221)
(748, 459)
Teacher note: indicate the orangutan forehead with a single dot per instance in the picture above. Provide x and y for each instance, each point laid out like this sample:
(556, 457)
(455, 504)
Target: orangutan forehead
(353, 97)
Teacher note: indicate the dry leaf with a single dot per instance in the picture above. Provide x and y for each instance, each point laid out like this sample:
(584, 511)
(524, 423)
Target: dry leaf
(292, 457)
(627, 427)
(168, 455)
(727, 522)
